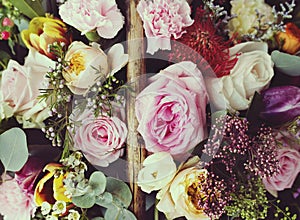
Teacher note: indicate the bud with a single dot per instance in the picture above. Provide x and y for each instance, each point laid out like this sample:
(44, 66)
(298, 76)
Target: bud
(5, 35)
(7, 22)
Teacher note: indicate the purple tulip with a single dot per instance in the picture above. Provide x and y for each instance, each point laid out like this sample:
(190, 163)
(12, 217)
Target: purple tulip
(27, 176)
(281, 104)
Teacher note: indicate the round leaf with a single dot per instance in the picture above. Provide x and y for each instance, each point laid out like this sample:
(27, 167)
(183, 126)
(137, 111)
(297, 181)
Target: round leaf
(13, 149)
(119, 190)
(104, 200)
(98, 182)
(286, 63)
(86, 201)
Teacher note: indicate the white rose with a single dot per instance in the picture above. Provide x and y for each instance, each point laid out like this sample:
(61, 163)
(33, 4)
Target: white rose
(174, 199)
(159, 169)
(87, 64)
(20, 88)
(246, 16)
(252, 73)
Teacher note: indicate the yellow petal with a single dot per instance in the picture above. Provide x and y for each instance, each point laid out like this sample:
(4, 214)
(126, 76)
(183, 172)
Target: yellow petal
(59, 189)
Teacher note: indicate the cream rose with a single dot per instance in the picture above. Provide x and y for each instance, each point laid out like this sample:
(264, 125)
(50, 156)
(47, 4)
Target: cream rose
(20, 88)
(87, 64)
(174, 198)
(159, 169)
(252, 73)
(246, 16)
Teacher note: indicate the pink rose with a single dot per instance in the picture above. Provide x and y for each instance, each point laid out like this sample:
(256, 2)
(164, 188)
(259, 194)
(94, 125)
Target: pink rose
(14, 202)
(289, 160)
(100, 139)
(87, 15)
(164, 19)
(20, 88)
(172, 110)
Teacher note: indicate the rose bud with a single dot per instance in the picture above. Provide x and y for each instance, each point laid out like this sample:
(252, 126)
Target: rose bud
(290, 39)
(281, 104)
(44, 31)
(7, 22)
(5, 35)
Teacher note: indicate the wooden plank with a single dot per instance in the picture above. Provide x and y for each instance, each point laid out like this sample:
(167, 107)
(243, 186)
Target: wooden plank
(136, 67)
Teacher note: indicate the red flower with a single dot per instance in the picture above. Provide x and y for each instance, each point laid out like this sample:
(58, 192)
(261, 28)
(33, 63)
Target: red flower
(202, 43)
(5, 35)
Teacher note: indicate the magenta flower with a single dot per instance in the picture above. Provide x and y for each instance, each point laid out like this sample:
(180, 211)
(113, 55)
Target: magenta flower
(27, 176)
(281, 104)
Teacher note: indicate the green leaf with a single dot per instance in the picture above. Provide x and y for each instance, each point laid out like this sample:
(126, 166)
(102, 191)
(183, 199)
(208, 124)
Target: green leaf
(85, 201)
(104, 200)
(98, 182)
(98, 218)
(120, 191)
(286, 63)
(116, 213)
(13, 149)
(29, 8)
(112, 213)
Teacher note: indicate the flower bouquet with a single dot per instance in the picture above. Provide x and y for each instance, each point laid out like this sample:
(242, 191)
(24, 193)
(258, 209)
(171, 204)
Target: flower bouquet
(149, 109)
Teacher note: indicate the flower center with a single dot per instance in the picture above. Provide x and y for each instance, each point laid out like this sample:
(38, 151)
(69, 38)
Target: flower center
(77, 63)
(195, 192)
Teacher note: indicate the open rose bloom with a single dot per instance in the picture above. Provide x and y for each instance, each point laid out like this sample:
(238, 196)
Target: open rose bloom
(171, 109)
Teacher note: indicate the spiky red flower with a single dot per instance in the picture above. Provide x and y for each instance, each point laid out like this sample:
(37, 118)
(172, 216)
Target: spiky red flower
(202, 43)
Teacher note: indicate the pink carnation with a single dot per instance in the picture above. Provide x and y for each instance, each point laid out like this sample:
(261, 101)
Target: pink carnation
(14, 202)
(164, 19)
(289, 162)
(87, 15)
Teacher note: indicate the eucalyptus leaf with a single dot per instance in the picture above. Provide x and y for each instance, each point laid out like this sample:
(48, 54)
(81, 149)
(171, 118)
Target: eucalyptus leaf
(13, 149)
(112, 213)
(85, 201)
(98, 218)
(115, 213)
(98, 182)
(120, 191)
(104, 200)
(29, 8)
(286, 63)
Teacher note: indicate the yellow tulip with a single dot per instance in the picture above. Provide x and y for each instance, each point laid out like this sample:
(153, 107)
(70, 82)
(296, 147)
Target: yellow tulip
(51, 188)
(43, 31)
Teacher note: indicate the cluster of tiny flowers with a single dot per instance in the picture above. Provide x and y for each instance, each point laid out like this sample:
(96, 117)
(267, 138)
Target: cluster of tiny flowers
(59, 208)
(250, 201)
(229, 141)
(102, 94)
(75, 182)
(294, 129)
(263, 154)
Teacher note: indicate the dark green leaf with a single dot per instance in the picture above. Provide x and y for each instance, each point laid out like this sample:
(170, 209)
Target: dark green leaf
(29, 8)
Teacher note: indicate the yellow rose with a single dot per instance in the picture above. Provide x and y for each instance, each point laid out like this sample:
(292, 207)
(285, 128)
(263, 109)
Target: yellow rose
(159, 169)
(290, 39)
(87, 64)
(43, 31)
(246, 16)
(43, 189)
(176, 199)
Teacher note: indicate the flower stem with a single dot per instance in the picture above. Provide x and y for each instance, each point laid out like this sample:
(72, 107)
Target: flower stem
(156, 216)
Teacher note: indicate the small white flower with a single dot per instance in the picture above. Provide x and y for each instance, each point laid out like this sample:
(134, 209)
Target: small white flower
(46, 208)
(73, 215)
(59, 207)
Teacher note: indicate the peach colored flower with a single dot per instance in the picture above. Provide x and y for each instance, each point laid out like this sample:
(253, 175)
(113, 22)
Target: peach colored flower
(290, 39)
